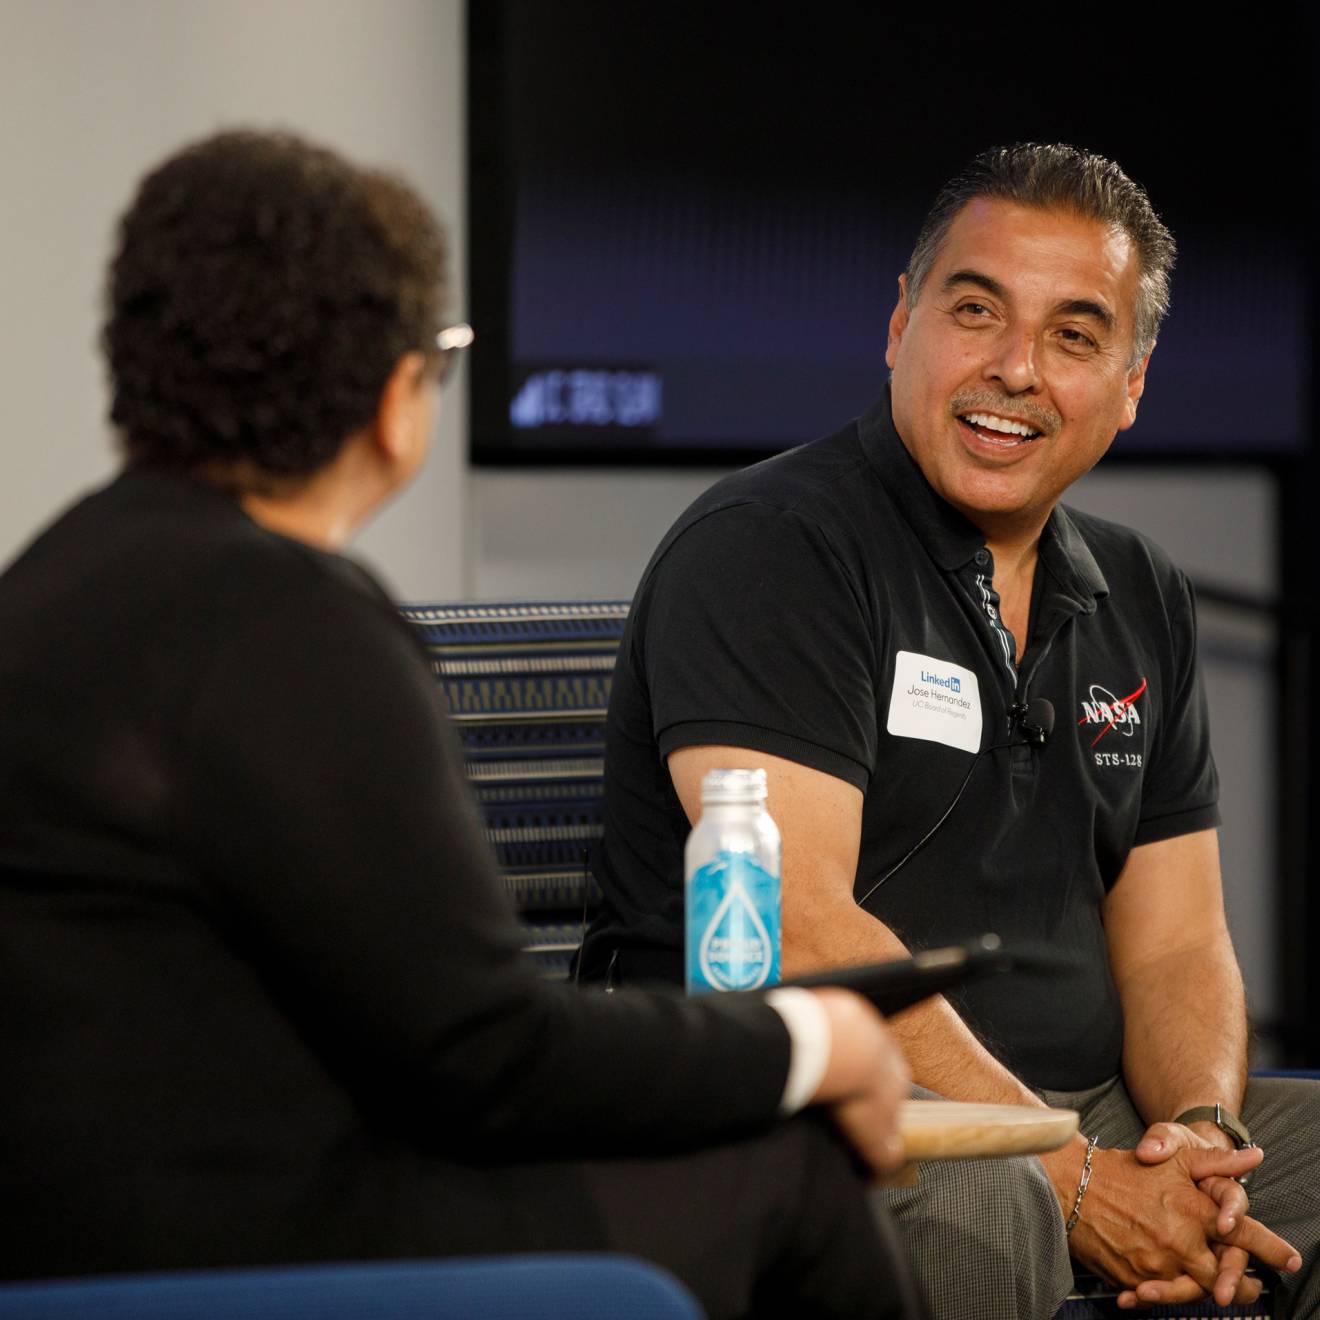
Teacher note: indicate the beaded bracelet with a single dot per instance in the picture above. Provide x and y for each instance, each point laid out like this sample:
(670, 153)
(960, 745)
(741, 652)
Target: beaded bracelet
(1081, 1187)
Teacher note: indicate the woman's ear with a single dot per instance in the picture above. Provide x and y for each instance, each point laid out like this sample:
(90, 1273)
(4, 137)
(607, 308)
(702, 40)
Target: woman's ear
(404, 414)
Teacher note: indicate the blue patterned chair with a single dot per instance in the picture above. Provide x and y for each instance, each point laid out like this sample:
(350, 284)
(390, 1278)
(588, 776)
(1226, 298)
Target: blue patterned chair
(527, 685)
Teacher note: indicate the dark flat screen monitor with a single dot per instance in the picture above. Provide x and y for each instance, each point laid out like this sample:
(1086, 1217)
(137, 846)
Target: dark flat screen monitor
(687, 221)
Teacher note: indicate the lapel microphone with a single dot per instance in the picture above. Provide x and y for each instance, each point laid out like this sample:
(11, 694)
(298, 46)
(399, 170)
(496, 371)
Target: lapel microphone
(1033, 722)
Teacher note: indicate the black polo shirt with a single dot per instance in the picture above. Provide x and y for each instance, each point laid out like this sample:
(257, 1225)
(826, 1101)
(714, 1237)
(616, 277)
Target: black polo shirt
(827, 606)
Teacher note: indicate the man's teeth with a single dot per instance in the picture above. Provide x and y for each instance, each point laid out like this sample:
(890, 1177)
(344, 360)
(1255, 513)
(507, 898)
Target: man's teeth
(1002, 424)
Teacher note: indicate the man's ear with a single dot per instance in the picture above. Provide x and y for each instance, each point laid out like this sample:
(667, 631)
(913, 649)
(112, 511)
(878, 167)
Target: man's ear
(394, 431)
(1136, 387)
(897, 323)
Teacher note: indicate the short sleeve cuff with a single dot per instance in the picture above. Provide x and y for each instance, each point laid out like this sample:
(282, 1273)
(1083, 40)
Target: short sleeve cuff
(1152, 829)
(730, 733)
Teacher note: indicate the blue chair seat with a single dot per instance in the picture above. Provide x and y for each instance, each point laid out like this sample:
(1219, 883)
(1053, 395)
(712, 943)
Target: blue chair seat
(549, 1287)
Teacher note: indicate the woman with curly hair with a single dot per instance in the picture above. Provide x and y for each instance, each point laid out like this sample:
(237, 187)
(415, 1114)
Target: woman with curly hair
(261, 998)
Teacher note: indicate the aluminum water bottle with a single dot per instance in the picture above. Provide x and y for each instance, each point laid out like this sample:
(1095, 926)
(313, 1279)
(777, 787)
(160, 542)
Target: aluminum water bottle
(732, 888)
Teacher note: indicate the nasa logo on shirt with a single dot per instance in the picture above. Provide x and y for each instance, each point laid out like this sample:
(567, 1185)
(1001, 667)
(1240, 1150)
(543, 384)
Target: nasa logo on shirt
(1108, 720)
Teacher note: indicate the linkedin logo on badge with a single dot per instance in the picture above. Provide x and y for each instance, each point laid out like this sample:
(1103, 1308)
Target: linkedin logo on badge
(953, 682)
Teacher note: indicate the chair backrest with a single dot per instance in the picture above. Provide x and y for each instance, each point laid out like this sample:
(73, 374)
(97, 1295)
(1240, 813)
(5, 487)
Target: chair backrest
(552, 1287)
(527, 685)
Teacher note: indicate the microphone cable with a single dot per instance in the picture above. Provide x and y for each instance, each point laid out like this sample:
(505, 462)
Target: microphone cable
(1035, 723)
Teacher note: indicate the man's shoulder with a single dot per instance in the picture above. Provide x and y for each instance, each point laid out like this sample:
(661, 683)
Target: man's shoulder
(812, 478)
(826, 485)
(1120, 548)
(1136, 577)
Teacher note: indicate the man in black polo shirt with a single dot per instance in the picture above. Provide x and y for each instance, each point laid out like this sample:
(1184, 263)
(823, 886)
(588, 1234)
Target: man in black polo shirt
(877, 618)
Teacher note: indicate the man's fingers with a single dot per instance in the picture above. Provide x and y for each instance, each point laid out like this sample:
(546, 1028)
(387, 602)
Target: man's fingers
(1248, 1290)
(1210, 1163)
(1164, 1292)
(1161, 1141)
(1231, 1198)
(1252, 1236)
(1231, 1286)
(1197, 1263)
(1232, 1266)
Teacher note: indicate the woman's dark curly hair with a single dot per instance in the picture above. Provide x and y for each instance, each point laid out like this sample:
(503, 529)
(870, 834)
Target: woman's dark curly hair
(262, 291)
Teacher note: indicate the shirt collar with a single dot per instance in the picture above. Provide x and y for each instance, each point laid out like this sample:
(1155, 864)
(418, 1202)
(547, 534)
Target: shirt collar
(951, 539)
(1068, 558)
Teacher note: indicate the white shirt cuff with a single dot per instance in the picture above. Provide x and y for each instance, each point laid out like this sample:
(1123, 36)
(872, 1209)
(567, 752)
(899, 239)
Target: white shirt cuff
(811, 1040)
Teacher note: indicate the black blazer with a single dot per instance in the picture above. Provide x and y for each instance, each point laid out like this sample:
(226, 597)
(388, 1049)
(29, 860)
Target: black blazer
(260, 994)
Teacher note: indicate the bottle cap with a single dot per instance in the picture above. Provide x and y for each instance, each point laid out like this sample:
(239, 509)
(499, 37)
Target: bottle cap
(733, 786)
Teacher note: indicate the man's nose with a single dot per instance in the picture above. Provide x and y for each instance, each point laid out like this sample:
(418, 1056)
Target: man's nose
(1013, 362)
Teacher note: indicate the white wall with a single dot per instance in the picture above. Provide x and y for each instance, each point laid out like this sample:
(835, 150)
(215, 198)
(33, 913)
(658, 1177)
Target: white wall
(92, 94)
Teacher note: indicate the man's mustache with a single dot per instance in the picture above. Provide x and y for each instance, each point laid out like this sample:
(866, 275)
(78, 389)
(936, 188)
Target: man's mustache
(1014, 410)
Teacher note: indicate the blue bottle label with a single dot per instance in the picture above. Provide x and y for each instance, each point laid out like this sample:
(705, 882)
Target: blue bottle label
(732, 925)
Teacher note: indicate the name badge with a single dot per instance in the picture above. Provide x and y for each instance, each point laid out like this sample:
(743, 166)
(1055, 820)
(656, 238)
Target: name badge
(935, 700)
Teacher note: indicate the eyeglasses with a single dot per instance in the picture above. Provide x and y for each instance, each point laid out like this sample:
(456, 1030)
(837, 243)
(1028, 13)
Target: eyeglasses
(450, 341)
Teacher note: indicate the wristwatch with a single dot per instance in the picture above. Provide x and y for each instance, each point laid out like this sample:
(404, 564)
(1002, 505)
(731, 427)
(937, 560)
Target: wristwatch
(1227, 1122)
(1224, 1119)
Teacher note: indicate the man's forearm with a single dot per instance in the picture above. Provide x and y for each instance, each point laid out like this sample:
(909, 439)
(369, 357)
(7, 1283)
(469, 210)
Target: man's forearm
(1185, 1031)
(1184, 1016)
(942, 1052)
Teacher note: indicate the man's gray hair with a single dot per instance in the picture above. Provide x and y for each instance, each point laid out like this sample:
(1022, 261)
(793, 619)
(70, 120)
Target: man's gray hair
(1059, 177)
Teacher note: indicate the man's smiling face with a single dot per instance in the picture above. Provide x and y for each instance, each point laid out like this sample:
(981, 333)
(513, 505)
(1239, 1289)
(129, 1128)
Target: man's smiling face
(1012, 373)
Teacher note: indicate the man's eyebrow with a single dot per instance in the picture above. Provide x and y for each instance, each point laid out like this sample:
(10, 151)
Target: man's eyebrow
(991, 286)
(1073, 307)
(1085, 307)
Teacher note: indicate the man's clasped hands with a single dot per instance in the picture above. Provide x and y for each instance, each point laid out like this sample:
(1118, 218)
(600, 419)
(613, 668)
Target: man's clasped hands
(1169, 1219)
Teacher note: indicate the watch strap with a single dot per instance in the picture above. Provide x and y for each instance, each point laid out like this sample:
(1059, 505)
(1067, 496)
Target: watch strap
(1224, 1119)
